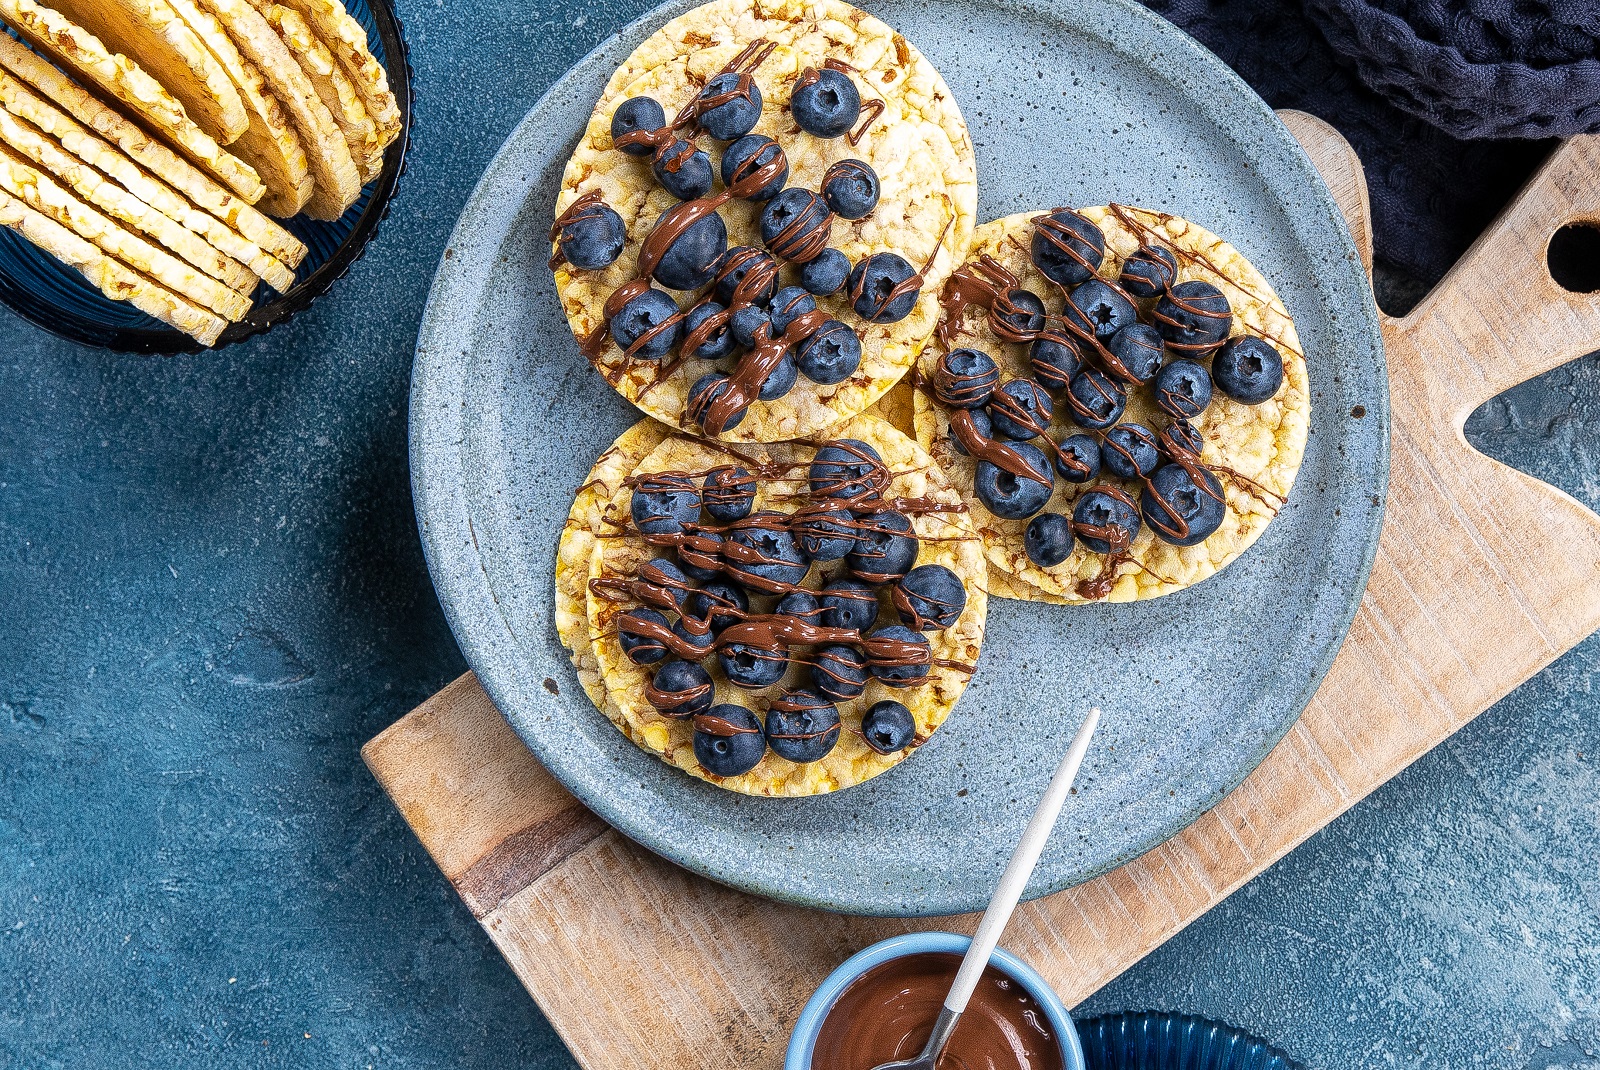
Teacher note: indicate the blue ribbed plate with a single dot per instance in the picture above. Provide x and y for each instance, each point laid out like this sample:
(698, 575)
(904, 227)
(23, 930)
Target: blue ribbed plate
(47, 293)
(1152, 1041)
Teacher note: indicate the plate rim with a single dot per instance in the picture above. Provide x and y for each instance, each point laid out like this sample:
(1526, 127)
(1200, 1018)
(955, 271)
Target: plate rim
(435, 430)
(161, 340)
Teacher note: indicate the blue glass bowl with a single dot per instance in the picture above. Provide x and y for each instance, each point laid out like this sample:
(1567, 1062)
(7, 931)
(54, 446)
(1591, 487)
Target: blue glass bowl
(47, 293)
(1152, 1041)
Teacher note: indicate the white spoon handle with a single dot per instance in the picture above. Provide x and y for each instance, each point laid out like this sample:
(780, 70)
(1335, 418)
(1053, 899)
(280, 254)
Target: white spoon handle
(1019, 869)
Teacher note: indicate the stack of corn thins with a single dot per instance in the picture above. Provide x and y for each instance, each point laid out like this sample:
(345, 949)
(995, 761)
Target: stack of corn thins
(146, 142)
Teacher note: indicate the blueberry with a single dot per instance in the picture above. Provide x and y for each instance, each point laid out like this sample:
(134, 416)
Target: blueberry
(1019, 314)
(888, 727)
(980, 421)
(1137, 348)
(663, 573)
(850, 470)
(691, 261)
(1009, 496)
(1055, 359)
(1183, 389)
(1097, 517)
(703, 562)
(1048, 540)
(728, 740)
(795, 225)
(826, 106)
(929, 597)
(878, 288)
(1095, 400)
(726, 110)
(1067, 248)
(719, 343)
(965, 378)
(1081, 460)
(739, 263)
(1180, 438)
(802, 726)
(637, 114)
(1149, 271)
(848, 604)
(683, 170)
(1193, 317)
(593, 238)
(728, 493)
(633, 635)
(664, 503)
(825, 273)
(1178, 510)
(824, 534)
(697, 636)
(802, 604)
(744, 157)
(680, 689)
(1129, 451)
(648, 326)
(1101, 308)
(771, 559)
(747, 324)
(752, 667)
(1020, 410)
(1248, 370)
(885, 550)
(898, 669)
(705, 391)
(851, 188)
(719, 603)
(781, 380)
(789, 304)
(830, 354)
(839, 672)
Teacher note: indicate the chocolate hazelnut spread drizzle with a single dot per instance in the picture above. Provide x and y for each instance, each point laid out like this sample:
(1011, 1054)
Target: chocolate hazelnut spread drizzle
(676, 221)
(984, 448)
(585, 207)
(666, 699)
(718, 726)
(870, 109)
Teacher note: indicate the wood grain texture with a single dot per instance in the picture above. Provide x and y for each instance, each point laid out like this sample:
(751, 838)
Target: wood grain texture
(1483, 575)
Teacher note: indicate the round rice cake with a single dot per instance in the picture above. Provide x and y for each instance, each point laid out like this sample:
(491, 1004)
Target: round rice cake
(945, 533)
(918, 145)
(1253, 450)
(589, 519)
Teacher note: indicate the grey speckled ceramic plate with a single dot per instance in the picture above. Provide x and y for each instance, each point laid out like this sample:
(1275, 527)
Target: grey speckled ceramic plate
(1070, 102)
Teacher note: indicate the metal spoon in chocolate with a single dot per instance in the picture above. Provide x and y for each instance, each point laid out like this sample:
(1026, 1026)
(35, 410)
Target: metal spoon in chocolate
(1003, 902)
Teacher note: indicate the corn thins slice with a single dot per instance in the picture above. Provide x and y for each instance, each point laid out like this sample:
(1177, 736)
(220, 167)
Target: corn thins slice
(270, 145)
(332, 86)
(41, 193)
(161, 162)
(115, 280)
(119, 204)
(338, 183)
(347, 40)
(57, 129)
(79, 51)
(151, 32)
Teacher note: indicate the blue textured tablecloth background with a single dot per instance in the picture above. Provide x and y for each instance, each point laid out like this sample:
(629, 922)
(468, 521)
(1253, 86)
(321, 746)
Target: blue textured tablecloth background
(211, 593)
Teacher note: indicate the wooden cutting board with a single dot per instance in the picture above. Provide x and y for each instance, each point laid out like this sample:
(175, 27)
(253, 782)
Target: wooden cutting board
(1483, 576)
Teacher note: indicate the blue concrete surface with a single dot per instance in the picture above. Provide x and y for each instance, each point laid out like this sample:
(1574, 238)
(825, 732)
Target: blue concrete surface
(211, 594)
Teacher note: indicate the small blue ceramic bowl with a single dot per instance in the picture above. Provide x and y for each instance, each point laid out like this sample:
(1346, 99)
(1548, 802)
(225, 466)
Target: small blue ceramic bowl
(804, 1038)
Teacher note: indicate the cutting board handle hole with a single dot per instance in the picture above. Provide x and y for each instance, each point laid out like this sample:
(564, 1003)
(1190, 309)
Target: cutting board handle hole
(1573, 257)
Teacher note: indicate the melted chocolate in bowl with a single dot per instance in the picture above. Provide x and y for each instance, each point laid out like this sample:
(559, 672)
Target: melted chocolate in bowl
(888, 1012)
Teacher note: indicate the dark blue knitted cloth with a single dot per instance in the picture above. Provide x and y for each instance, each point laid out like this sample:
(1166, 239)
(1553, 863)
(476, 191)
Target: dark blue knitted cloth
(1475, 68)
(1432, 193)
